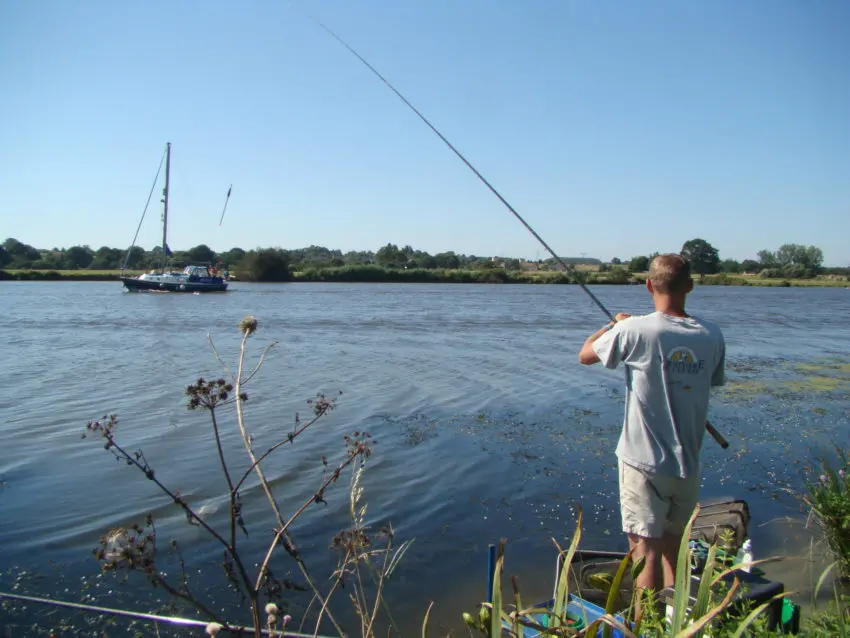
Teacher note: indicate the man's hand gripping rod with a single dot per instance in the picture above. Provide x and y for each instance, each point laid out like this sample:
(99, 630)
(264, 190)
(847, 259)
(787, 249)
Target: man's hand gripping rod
(568, 267)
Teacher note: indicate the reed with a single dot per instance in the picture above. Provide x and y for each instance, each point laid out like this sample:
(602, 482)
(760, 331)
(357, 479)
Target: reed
(367, 560)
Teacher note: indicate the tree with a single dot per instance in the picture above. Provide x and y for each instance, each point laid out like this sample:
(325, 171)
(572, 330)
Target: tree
(137, 258)
(793, 260)
(702, 256)
(616, 261)
(77, 257)
(22, 254)
(5, 257)
(447, 260)
(391, 257)
(750, 265)
(232, 257)
(767, 259)
(201, 254)
(107, 258)
(618, 275)
(266, 264)
(358, 257)
(639, 264)
(730, 266)
(422, 259)
(809, 258)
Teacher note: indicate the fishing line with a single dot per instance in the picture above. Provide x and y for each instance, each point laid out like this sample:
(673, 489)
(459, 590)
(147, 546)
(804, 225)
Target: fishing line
(566, 266)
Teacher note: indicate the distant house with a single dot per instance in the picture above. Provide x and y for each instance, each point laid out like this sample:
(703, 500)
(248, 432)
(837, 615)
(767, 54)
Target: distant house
(528, 266)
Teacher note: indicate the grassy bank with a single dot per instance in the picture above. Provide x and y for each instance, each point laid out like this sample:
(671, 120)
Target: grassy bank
(65, 275)
(724, 279)
(378, 274)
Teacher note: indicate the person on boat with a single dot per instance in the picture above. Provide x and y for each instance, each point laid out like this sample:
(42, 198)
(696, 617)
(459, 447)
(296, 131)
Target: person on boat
(671, 359)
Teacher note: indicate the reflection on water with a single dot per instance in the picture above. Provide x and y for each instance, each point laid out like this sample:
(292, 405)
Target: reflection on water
(485, 424)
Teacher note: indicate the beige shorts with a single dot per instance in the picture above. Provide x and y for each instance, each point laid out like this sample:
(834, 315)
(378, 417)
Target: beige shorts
(652, 504)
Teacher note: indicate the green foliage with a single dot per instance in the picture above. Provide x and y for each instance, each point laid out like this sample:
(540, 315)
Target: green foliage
(712, 610)
(22, 254)
(639, 264)
(829, 498)
(232, 257)
(750, 265)
(720, 279)
(107, 258)
(201, 254)
(265, 265)
(731, 266)
(77, 257)
(703, 257)
(793, 261)
(391, 257)
(618, 275)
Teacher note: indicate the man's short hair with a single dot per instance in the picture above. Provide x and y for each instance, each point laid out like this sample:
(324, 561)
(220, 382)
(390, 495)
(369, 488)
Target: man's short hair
(670, 274)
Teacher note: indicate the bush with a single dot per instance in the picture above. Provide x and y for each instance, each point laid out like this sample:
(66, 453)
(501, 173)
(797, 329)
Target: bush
(266, 264)
(829, 498)
(721, 279)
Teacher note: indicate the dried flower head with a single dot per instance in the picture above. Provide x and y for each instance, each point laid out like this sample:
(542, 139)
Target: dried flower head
(271, 608)
(213, 628)
(207, 394)
(248, 325)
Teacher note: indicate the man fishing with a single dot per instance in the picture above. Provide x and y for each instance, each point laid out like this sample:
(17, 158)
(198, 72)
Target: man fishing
(672, 360)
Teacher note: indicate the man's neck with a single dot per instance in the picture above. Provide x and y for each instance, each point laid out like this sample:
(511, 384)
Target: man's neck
(670, 306)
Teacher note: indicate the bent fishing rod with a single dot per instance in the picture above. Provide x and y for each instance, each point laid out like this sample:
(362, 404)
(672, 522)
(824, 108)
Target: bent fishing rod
(568, 267)
(153, 618)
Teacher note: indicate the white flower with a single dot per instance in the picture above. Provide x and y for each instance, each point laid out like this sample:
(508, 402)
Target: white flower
(213, 628)
(271, 608)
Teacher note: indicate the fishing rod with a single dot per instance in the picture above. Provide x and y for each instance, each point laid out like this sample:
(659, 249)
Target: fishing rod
(171, 620)
(568, 267)
(224, 210)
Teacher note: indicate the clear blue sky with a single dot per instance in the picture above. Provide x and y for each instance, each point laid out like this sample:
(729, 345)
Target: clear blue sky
(615, 128)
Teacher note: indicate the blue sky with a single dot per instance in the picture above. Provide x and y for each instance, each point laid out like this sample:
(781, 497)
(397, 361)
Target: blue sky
(615, 128)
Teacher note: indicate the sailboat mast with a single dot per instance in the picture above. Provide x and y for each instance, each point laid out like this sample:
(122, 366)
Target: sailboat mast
(165, 206)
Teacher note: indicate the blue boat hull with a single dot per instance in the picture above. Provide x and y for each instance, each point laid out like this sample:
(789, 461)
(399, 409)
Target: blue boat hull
(140, 285)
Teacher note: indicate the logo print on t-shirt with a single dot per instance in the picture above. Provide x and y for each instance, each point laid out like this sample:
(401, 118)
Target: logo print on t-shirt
(682, 360)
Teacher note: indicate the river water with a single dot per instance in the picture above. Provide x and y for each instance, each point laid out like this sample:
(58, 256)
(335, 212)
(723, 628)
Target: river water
(484, 425)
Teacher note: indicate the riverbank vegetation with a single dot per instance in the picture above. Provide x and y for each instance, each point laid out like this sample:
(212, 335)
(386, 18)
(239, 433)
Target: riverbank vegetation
(790, 265)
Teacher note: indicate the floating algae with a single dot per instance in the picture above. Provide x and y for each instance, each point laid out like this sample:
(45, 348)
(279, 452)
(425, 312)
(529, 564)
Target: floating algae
(820, 376)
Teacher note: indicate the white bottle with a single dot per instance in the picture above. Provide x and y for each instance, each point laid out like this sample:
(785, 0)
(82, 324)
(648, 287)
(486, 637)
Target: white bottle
(746, 555)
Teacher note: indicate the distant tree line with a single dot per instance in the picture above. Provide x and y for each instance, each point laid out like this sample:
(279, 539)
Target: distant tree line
(790, 261)
(264, 264)
(276, 264)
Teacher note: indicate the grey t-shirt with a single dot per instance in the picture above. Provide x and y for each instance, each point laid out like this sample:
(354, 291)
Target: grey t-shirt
(671, 364)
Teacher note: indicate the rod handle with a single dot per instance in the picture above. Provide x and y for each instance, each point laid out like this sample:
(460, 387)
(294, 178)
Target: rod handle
(716, 435)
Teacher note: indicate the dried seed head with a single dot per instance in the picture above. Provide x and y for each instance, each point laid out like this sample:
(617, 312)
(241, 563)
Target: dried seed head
(271, 608)
(248, 325)
(213, 628)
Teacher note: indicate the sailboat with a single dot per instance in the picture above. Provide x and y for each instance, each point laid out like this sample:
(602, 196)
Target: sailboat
(193, 278)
